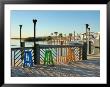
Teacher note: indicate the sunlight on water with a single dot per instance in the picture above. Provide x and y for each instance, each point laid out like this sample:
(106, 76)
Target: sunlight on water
(14, 43)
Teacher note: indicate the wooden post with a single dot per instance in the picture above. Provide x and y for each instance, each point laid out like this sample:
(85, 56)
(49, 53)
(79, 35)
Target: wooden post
(22, 50)
(89, 47)
(36, 54)
(84, 51)
(22, 44)
(20, 34)
(86, 31)
(34, 21)
(61, 47)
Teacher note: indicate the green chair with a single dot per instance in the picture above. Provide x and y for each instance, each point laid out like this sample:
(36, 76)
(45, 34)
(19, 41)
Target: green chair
(48, 59)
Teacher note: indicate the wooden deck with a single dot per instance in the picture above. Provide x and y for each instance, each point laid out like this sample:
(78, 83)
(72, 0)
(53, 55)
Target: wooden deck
(85, 68)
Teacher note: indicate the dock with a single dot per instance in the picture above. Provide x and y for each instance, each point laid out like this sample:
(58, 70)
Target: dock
(83, 68)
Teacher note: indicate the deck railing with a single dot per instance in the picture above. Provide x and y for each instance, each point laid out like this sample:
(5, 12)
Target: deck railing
(17, 55)
(59, 53)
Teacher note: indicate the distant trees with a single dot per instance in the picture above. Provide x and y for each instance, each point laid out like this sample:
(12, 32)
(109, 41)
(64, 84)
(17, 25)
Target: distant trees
(31, 39)
(51, 33)
(56, 33)
(48, 38)
(60, 34)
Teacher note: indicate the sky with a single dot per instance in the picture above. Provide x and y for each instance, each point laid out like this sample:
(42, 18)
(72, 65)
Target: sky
(49, 21)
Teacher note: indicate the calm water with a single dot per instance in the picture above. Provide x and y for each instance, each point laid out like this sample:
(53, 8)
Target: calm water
(16, 43)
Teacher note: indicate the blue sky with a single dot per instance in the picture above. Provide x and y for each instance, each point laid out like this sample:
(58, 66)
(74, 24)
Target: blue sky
(48, 21)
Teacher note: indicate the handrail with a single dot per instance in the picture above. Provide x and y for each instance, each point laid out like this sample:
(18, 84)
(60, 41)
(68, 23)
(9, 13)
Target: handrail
(57, 53)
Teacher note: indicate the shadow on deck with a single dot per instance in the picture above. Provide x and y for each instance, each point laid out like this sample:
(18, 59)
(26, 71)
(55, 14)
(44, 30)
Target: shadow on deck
(85, 68)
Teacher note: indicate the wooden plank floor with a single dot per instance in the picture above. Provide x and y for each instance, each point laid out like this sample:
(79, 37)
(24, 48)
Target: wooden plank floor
(85, 68)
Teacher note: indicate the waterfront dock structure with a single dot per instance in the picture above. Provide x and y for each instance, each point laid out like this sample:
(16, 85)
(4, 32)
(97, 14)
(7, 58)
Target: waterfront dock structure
(59, 58)
(59, 53)
(78, 67)
(64, 64)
